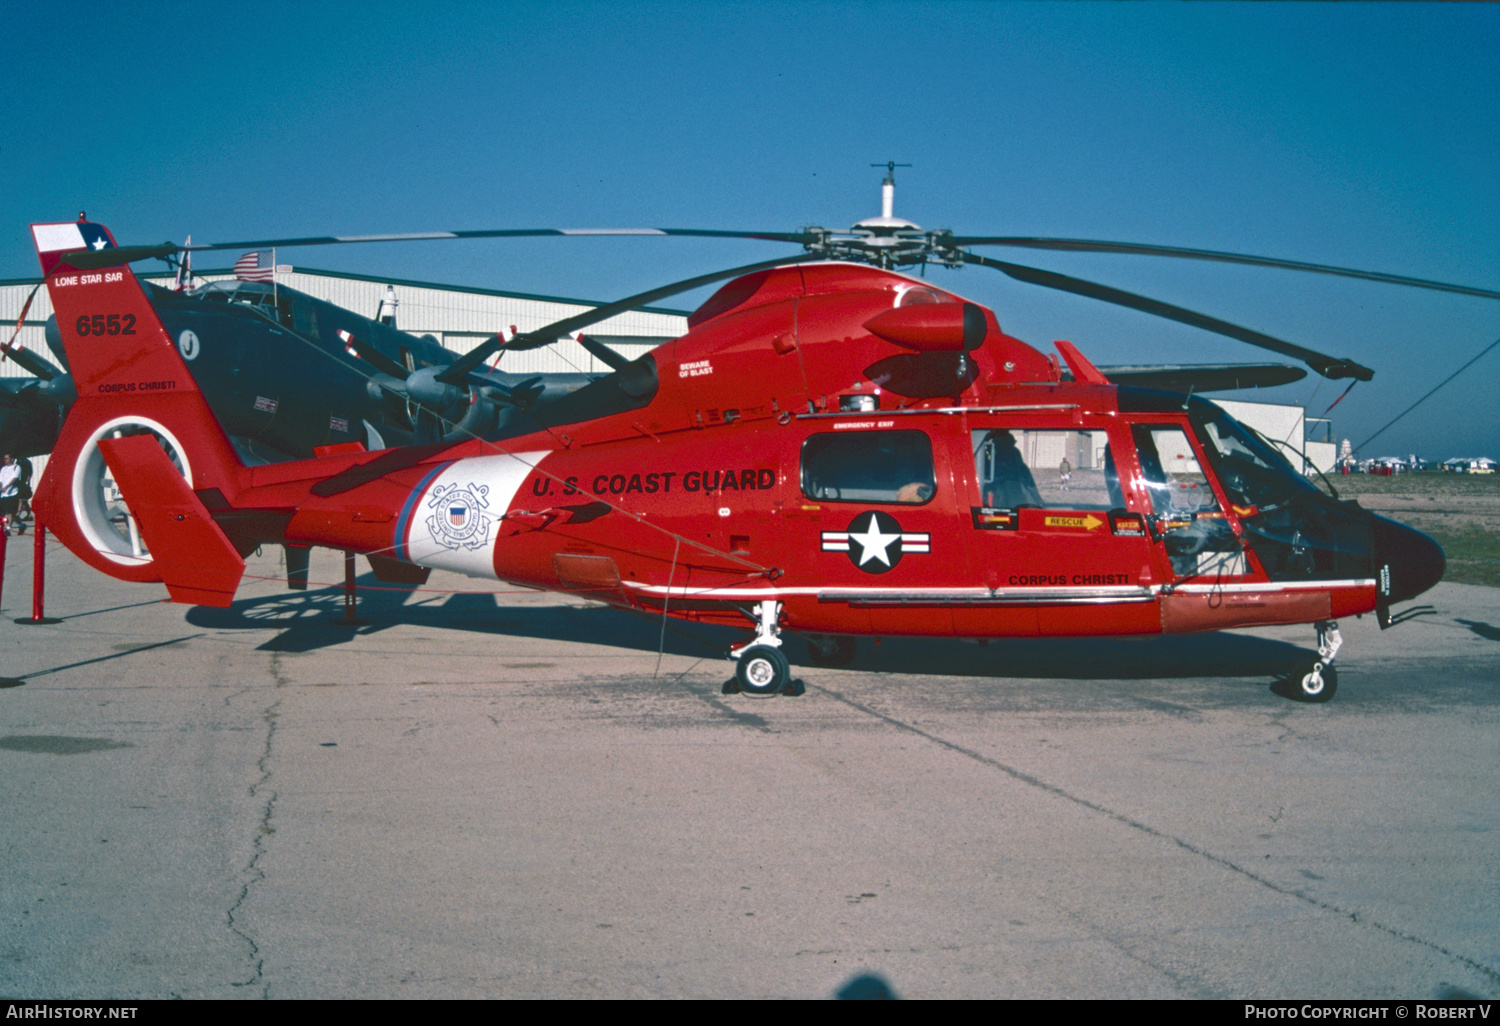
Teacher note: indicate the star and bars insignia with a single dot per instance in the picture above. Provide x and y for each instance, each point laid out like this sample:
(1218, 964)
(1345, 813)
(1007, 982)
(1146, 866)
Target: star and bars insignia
(875, 542)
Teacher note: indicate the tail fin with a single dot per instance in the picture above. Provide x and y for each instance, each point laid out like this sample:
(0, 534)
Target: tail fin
(131, 380)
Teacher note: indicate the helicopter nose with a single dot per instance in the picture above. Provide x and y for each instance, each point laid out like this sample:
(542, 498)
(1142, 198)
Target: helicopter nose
(1407, 561)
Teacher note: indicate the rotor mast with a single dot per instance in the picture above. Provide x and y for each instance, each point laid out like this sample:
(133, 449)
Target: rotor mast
(888, 190)
(887, 238)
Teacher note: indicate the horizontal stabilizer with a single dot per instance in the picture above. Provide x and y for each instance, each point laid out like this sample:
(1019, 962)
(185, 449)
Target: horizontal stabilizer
(196, 561)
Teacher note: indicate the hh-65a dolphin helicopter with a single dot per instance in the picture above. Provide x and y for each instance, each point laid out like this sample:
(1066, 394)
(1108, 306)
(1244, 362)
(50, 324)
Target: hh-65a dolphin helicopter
(834, 449)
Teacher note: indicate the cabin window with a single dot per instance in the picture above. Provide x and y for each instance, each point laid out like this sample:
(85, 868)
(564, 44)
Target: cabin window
(1045, 469)
(869, 466)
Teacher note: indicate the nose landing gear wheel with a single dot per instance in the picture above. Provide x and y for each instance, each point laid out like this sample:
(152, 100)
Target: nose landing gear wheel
(1314, 681)
(762, 670)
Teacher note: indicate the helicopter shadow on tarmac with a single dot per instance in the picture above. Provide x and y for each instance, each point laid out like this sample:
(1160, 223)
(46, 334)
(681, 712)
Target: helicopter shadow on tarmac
(311, 620)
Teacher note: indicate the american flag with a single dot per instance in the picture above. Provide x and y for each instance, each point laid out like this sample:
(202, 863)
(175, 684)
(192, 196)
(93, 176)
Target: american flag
(255, 266)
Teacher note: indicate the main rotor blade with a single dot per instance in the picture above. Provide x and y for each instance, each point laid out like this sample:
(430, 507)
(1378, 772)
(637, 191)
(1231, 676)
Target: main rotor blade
(1090, 246)
(799, 238)
(1328, 366)
(551, 333)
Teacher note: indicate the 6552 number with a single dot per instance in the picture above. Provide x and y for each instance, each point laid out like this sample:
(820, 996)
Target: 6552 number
(106, 324)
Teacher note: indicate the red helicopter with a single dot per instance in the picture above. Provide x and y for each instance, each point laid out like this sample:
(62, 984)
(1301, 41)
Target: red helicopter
(834, 449)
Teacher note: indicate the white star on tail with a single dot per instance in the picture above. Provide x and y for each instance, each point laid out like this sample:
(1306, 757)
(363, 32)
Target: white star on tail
(873, 543)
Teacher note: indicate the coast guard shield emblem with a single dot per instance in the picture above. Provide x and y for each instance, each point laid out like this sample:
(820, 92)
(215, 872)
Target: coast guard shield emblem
(458, 520)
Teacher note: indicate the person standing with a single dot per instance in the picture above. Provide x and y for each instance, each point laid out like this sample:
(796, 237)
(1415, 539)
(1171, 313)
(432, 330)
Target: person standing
(10, 494)
(23, 509)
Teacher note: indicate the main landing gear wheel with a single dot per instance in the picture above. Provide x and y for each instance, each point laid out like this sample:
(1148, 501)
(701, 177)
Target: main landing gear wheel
(762, 670)
(832, 650)
(1313, 681)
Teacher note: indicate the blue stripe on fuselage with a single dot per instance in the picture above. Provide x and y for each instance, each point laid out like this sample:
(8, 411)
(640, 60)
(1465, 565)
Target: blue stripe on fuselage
(403, 522)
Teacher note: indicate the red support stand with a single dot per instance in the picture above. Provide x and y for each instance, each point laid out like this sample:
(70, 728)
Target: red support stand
(349, 619)
(38, 577)
(6, 682)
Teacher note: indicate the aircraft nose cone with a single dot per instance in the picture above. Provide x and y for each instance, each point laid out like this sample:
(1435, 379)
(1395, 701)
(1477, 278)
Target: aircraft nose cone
(1414, 561)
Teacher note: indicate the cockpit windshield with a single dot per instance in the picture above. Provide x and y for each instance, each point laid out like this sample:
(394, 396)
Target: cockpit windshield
(1252, 472)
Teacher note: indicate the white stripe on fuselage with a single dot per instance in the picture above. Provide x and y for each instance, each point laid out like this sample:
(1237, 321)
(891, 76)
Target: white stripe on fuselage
(456, 518)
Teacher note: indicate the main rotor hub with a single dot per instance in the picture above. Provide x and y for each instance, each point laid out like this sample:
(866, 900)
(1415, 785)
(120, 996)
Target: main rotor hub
(886, 243)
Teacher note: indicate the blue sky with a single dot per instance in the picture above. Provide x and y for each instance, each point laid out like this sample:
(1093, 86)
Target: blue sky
(1363, 135)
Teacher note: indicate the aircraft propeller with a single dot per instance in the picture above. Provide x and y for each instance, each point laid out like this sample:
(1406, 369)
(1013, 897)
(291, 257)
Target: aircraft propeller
(53, 388)
(31, 363)
(549, 334)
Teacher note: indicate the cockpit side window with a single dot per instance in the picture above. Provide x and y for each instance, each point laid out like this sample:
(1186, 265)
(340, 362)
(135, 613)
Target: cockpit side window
(869, 466)
(1198, 539)
(301, 318)
(1173, 477)
(1252, 473)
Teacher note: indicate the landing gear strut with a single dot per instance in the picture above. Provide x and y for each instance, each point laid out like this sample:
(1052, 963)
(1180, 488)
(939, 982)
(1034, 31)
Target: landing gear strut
(1315, 680)
(761, 667)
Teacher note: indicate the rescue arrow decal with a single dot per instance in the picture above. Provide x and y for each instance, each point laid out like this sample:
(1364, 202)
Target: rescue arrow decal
(1088, 522)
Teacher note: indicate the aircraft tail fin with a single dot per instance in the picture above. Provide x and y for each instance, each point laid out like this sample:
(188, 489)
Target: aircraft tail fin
(131, 380)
